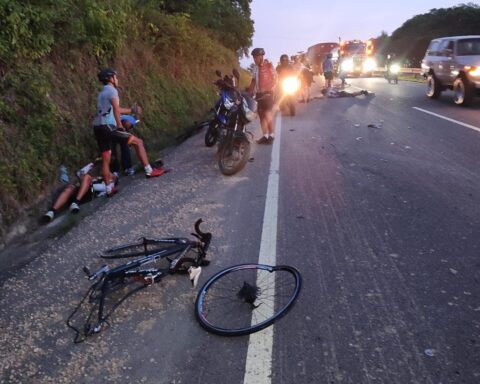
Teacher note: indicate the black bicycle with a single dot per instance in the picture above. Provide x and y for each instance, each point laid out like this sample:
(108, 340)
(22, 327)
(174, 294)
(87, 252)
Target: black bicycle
(113, 286)
(246, 298)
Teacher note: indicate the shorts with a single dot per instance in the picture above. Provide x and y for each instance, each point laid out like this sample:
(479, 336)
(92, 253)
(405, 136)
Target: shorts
(264, 103)
(108, 134)
(328, 75)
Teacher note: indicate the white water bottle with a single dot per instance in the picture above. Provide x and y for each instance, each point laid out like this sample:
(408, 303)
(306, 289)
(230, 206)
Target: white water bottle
(85, 170)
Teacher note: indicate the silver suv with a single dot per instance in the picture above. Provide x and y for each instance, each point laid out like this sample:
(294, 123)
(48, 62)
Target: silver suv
(453, 63)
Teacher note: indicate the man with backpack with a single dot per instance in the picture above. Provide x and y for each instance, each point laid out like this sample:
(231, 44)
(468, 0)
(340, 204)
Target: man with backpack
(263, 84)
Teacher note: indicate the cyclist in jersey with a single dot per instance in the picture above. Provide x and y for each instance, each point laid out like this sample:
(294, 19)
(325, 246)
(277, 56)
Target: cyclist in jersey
(105, 127)
(263, 84)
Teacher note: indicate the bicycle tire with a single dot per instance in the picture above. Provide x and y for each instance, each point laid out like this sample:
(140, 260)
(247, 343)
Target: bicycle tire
(225, 304)
(143, 247)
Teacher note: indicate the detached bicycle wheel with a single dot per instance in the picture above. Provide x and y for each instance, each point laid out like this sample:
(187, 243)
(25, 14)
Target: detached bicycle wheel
(246, 298)
(143, 247)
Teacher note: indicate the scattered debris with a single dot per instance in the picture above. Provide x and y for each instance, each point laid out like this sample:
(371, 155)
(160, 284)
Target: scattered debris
(430, 352)
(378, 126)
(300, 217)
(356, 125)
(359, 138)
(453, 271)
(251, 159)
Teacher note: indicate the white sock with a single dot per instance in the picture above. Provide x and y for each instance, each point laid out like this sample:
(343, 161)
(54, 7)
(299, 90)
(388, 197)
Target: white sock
(266, 136)
(110, 187)
(272, 135)
(148, 169)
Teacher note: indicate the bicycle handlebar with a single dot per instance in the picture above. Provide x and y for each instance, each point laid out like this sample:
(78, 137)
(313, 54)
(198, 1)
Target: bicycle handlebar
(205, 237)
(102, 270)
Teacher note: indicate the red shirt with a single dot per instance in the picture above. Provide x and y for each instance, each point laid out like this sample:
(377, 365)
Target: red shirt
(266, 77)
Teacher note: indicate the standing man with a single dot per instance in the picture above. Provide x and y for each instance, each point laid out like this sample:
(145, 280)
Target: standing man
(263, 84)
(328, 70)
(106, 128)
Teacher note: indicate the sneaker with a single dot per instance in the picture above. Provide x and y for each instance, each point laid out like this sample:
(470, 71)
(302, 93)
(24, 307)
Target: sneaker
(74, 208)
(263, 140)
(129, 171)
(155, 173)
(47, 217)
(270, 140)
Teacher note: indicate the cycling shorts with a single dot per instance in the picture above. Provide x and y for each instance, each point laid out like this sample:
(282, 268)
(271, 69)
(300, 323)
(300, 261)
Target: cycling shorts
(108, 134)
(264, 103)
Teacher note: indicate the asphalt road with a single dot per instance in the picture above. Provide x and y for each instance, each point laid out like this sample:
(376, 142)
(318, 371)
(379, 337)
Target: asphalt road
(382, 221)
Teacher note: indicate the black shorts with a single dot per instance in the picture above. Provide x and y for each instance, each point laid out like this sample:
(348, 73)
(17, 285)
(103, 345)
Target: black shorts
(108, 134)
(328, 75)
(264, 103)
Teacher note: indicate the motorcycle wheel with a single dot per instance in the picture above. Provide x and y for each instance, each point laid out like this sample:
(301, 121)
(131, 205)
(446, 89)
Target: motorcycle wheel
(234, 155)
(292, 109)
(211, 136)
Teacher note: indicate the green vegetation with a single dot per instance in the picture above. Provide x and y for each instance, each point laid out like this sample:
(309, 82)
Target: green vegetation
(50, 52)
(410, 41)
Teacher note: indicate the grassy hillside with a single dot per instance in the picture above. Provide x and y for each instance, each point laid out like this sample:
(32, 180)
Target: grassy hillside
(48, 90)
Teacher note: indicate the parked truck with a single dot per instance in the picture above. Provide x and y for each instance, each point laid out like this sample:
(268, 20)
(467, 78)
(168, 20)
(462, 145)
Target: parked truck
(317, 53)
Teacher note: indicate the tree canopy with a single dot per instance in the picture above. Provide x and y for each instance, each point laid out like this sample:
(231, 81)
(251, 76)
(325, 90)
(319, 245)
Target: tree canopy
(411, 40)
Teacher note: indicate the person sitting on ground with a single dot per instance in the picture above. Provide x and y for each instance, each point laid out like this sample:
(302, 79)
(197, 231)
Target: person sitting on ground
(106, 123)
(335, 93)
(128, 122)
(87, 186)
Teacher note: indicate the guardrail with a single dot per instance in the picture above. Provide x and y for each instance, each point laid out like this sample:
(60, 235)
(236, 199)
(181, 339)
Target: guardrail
(417, 72)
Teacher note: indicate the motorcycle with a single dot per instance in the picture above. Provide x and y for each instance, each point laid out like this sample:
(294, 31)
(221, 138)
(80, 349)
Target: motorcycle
(234, 111)
(392, 73)
(289, 88)
(219, 119)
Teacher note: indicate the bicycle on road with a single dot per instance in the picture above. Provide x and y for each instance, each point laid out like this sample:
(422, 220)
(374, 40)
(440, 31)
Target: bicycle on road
(113, 286)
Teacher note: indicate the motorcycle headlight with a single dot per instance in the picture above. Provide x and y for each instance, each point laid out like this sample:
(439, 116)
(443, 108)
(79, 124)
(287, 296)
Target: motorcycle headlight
(228, 104)
(395, 68)
(369, 65)
(474, 71)
(347, 65)
(290, 85)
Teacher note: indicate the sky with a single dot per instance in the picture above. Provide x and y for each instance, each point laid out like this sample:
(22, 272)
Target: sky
(283, 26)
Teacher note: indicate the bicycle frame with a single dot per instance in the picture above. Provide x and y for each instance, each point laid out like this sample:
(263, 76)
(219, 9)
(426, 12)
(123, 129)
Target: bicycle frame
(108, 280)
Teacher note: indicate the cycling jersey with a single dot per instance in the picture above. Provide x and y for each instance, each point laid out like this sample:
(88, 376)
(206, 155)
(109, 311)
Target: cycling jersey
(104, 106)
(265, 77)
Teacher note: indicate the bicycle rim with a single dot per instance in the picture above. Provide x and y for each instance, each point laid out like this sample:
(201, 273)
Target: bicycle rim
(143, 247)
(246, 298)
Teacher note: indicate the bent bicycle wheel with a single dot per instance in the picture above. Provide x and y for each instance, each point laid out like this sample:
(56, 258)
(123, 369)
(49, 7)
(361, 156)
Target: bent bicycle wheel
(143, 247)
(246, 298)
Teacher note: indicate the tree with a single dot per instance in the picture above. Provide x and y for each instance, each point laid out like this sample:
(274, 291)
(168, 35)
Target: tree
(411, 40)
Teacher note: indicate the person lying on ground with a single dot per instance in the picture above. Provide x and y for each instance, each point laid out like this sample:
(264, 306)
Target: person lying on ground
(88, 185)
(336, 93)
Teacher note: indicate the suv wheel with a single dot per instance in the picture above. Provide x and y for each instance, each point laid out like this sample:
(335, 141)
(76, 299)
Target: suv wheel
(434, 87)
(463, 91)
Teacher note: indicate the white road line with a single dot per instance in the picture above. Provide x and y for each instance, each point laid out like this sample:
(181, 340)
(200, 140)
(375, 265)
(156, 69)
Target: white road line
(448, 119)
(258, 367)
